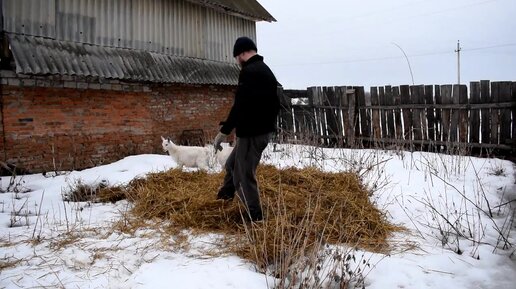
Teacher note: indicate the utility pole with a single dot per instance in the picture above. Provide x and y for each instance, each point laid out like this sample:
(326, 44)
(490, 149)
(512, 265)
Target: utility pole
(458, 61)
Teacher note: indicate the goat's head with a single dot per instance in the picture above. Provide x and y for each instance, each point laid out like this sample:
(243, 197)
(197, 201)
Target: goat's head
(166, 144)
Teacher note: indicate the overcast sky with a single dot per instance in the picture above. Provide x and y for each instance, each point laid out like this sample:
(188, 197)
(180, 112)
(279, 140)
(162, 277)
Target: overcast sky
(355, 42)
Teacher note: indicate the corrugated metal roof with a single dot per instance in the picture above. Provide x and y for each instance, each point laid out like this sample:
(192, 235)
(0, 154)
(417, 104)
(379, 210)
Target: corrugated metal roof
(249, 8)
(37, 55)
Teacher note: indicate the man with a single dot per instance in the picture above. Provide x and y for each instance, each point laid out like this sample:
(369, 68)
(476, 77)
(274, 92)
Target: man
(253, 116)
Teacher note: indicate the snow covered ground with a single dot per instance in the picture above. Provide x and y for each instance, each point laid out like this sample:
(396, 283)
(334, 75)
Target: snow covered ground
(48, 243)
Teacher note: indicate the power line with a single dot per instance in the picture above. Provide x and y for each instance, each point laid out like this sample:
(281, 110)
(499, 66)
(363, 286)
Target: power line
(396, 57)
(489, 47)
(360, 60)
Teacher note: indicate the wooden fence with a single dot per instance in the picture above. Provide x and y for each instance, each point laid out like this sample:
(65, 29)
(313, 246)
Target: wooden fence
(420, 116)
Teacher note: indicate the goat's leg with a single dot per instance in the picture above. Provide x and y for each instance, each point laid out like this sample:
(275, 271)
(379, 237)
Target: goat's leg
(202, 163)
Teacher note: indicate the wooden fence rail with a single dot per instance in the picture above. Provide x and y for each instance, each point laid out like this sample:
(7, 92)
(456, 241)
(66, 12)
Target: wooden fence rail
(418, 116)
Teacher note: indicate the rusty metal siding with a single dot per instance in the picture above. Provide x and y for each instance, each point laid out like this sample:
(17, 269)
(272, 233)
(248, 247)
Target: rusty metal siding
(162, 26)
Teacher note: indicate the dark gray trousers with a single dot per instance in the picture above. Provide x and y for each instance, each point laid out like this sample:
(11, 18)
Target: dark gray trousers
(241, 171)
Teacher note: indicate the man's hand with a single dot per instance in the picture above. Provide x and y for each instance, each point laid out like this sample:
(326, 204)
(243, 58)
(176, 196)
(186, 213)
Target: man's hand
(218, 139)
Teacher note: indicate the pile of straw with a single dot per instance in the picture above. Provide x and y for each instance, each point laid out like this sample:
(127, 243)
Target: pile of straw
(305, 206)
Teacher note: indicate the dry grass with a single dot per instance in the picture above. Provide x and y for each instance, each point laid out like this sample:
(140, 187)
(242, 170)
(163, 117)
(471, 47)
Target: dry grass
(305, 205)
(110, 195)
(9, 262)
(99, 193)
(64, 240)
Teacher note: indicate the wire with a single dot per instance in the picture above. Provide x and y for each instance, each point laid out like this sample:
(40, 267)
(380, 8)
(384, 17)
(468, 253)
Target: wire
(397, 57)
(489, 47)
(408, 62)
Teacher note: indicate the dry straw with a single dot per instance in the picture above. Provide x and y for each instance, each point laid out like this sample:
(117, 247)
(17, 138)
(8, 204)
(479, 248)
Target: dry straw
(306, 206)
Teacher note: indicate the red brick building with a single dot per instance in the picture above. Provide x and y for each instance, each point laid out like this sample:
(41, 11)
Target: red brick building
(89, 82)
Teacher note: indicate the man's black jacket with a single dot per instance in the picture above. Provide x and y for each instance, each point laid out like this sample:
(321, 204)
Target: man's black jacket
(256, 103)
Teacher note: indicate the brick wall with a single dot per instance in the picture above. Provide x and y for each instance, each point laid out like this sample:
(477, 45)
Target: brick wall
(64, 122)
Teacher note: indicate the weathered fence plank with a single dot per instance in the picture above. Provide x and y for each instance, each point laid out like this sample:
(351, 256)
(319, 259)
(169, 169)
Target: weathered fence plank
(446, 98)
(319, 114)
(352, 118)
(438, 113)
(505, 113)
(377, 133)
(345, 116)
(463, 114)
(323, 122)
(307, 126)
(454, 125)
(361, 102)
(340, 93)
(368, 129)
(422, 112)
(474, 118)
(407, 113)
(417, 96)
(397, 112)
(495, 113)
(389, 100)
(430, 114)
(383, 115)
(485, 97)
(331, 115)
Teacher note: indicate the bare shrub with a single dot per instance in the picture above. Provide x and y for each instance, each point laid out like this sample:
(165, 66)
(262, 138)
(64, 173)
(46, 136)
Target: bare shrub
(455, 216)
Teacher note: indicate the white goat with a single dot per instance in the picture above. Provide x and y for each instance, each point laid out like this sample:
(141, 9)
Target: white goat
(223, 155)
(190, 156)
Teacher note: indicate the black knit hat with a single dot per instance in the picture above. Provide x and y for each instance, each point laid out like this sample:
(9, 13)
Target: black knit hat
(243, 44)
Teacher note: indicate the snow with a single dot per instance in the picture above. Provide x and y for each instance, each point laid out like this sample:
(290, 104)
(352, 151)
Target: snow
(48, 243)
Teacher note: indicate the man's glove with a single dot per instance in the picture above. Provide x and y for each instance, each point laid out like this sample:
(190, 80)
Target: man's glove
(218, 139)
